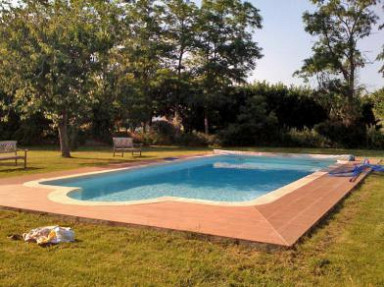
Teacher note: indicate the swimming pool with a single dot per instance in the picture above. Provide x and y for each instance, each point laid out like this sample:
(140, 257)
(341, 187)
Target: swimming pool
(218, 178)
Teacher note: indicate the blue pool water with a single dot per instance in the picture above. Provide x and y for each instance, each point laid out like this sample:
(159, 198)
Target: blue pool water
(225, 178)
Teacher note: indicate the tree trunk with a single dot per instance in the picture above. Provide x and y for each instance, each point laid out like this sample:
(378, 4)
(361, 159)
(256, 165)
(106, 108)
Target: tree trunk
(206, 126)
(150, 122)
(63, 136)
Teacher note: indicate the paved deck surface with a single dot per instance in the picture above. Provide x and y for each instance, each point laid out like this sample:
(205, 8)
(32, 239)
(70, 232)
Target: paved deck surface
(281, 222)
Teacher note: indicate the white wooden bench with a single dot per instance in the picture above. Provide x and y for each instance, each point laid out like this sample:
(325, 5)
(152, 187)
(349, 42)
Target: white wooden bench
(125, 145)
(8, 151)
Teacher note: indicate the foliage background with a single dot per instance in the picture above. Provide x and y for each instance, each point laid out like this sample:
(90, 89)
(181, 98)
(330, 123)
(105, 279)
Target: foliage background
(169, 72)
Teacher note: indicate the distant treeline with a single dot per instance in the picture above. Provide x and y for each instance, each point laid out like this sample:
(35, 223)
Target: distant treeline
(257, 114)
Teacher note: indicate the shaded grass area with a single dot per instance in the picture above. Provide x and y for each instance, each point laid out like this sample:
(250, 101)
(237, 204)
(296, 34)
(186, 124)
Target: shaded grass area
(47, 158)
(347, 249)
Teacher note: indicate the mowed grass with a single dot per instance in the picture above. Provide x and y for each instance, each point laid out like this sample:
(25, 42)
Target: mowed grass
(346, 249)
(42, 160)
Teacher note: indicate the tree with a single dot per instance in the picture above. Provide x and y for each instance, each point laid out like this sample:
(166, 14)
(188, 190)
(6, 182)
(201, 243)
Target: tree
(50, 59)
(227, 51)
(254, 124)
(380, 57)
(378, 104)
(339, 25)
(181, 20)
(143, 55)
(181, 24)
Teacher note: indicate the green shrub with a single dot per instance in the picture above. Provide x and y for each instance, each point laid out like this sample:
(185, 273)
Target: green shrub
(375, 138)
(306, 138)
(142, 137)
(197, 139)
(163, 132)
(341, 135)
(160, 133)
(254, 125)
(35, 130)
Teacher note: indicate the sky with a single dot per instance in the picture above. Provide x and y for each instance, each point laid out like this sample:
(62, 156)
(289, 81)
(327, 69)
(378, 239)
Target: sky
(285, 44)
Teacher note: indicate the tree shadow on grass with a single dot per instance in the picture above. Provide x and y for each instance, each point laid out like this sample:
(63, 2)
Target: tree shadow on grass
(106, 162)
(17, 169)
(112, 159)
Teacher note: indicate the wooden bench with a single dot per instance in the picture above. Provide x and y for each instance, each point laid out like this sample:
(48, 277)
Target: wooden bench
(125, 145)
(8, 151)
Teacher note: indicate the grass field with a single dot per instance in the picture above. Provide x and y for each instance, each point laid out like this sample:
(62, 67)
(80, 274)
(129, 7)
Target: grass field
(346, 249)
(41, 160)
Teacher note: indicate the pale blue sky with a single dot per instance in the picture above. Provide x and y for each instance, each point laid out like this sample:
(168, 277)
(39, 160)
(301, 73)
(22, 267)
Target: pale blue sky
(285, 44)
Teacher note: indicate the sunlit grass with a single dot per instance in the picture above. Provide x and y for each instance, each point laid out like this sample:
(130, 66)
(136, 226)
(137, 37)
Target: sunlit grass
(41, 160)
(347, 249)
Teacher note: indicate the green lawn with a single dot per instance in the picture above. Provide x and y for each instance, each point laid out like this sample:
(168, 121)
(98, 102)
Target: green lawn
(42, 160)
(347, 249)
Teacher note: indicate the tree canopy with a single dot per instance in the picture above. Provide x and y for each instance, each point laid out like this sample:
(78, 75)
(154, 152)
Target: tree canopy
(50, 60)
(73, 69)
(339, 26)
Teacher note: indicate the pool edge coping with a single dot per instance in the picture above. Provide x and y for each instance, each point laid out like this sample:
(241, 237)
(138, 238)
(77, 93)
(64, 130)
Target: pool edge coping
(59, 194)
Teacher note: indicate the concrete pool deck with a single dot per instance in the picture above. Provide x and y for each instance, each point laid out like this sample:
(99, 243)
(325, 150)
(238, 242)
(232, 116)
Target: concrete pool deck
(281, 222)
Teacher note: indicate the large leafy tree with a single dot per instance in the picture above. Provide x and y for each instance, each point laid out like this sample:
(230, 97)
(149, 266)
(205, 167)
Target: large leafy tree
(253, 124)
(338, 26)
(227, 50)
(181, 22)
(50, 61)
(144, 51)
